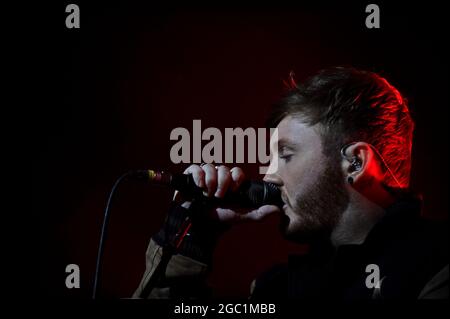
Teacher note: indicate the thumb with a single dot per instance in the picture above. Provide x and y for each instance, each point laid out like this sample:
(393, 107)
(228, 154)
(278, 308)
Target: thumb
(232, 217)
(260, 213)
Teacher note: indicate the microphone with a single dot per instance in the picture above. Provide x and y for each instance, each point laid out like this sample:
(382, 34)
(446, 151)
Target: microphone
(250, 194)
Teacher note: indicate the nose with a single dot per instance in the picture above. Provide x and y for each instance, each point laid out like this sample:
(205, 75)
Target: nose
(274, 179)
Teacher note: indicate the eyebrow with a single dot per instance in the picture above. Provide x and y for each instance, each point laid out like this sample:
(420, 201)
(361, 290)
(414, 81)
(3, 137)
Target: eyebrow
(286, 144)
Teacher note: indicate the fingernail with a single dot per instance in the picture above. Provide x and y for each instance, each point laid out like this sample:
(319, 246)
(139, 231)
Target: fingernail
(218, 193)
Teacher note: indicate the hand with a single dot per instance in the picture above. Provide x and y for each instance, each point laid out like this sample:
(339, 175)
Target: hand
(216, 182)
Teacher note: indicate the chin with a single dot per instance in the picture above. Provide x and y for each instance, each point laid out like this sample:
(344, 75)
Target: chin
(284, 224)
(288, 231)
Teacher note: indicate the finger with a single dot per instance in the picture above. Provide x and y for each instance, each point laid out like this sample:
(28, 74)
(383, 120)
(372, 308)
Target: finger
(223, 180)
(226, 215)
(210, 178)
(260, 213)
(197, 174)
(238, 176)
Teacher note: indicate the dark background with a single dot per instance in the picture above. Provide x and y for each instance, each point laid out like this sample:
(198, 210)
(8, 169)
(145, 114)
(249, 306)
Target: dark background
(115, 89)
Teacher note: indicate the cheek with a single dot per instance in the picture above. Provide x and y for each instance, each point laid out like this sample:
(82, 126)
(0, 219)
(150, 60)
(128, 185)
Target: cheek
(299, 178)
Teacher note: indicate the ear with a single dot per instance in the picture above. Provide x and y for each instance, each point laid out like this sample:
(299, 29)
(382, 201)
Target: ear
(359, 164)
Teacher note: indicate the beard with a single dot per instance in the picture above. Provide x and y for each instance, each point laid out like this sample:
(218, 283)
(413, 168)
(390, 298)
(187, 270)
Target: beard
(318, 209)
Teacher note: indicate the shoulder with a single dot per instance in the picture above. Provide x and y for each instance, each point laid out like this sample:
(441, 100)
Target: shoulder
(416, 260)
(438, 286)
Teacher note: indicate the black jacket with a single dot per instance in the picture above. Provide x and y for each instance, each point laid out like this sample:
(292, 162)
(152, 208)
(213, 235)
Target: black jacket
(408, 250)
(411, 254)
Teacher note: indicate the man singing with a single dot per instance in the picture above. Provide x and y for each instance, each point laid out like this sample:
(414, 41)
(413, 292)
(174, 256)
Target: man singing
(344, 161)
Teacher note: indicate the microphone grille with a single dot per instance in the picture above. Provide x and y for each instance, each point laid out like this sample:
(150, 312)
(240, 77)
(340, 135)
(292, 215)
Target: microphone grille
(263, 193)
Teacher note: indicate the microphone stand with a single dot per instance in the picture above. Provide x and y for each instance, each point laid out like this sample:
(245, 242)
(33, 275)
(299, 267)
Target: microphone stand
(170, 249)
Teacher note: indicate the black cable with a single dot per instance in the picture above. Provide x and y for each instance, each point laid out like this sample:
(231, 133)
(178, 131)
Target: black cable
(103, 235)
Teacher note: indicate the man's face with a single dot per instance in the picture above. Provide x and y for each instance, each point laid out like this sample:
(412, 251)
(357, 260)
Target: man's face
(312, 185)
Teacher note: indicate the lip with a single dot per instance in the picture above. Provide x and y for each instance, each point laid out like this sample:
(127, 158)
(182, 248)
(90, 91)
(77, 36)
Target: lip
(284, 200)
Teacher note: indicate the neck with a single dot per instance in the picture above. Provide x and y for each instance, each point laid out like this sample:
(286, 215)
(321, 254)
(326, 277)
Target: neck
(358, 220)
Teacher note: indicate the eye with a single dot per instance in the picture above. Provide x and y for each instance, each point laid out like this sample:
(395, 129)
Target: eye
(286, 157)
